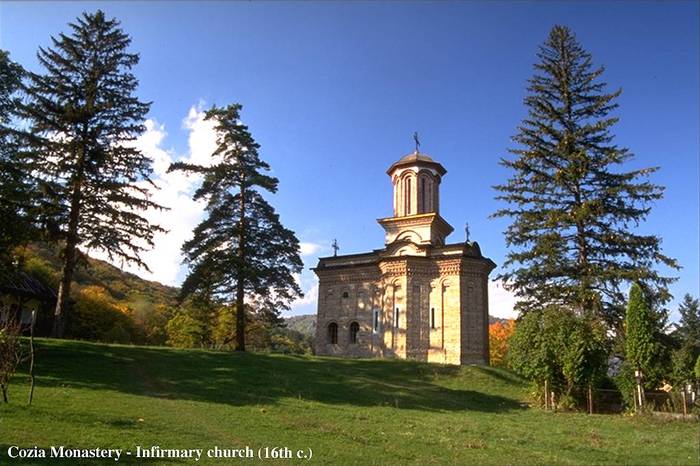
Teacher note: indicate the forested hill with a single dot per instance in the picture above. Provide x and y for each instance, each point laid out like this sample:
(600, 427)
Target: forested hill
(304, 324)
(43, 262)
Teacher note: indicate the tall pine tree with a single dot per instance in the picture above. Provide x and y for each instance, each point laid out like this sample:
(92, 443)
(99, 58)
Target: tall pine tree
(240, 253)
(84, 117)
(573, 210)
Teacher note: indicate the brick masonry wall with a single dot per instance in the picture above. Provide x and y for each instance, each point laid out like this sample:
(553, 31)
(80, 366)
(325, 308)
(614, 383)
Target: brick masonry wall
(455, 287)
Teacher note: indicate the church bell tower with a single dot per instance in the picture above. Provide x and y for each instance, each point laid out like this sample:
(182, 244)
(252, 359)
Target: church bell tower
(416, 181)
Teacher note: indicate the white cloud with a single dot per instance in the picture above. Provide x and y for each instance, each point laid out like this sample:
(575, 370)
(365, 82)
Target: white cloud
(309, 249)
(309, 299)
(501, 301)
(308, 282)
(202, 138)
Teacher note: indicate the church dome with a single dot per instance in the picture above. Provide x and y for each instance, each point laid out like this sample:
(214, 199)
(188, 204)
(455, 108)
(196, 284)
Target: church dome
(417, 158)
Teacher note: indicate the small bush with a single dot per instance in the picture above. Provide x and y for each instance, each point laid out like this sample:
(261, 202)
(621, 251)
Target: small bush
(10, 353)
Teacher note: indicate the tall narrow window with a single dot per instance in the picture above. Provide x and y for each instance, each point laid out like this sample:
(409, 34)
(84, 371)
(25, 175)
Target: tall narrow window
(375, 321)
(436, 198)
(396, 198)
(396, 318)
(429, 196)
(423, 207)
(354, 330)
(408, 196)
(432, 317)
(333, 333)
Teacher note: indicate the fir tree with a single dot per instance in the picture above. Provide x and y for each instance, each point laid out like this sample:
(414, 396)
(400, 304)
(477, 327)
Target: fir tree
(16, 200)
(240, 252)
(640, 327)
(573, 211)
(84, 117)
(687, 335)
(688, 327)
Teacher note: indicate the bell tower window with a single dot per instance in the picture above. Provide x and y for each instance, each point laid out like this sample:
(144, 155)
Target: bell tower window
(407, 196)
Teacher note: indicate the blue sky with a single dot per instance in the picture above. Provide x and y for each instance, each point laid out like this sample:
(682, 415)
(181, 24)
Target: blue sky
(334, 90)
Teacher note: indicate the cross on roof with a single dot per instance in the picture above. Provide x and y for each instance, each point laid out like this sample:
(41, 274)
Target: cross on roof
(335, 247)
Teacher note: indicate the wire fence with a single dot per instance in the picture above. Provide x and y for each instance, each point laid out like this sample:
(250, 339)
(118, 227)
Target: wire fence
(671, 402)
(611, 401)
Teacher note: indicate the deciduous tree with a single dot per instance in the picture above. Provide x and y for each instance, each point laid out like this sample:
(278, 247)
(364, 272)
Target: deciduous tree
(499, 336)
(557, 345)
(640, 324)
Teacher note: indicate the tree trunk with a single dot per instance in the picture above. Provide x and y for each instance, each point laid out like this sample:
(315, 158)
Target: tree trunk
(240, 284)
(68, 267)
(59, 322)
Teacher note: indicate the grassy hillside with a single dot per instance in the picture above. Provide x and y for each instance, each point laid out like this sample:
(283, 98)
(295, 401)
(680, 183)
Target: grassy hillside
(346, 411)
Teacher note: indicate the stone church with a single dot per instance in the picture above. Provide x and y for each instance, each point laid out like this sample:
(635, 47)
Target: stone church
(418, 297)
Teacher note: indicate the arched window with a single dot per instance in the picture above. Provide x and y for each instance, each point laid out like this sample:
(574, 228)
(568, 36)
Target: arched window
(407, 196)
(333, 333)
(396, 318)
(354, 330)
(423, 204)
(375, 321)
(432, 317)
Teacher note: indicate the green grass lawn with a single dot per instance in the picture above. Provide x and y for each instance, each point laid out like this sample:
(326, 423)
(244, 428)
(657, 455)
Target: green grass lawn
(345, 411)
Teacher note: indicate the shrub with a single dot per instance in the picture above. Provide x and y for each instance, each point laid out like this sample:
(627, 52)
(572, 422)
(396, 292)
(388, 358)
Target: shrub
(499, 336)
(10, 353)
(184, 331)
(557, 345)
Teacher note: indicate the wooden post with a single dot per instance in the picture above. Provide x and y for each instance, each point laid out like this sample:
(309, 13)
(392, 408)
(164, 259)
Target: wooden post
(634, 399)
(638, 377)
(31, 356)
(685, 408)
(546, 396)
(639, 392)
(554, 402)
(590, 400)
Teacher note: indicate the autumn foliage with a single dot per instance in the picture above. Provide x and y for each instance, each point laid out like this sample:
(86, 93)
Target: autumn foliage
(499, 334)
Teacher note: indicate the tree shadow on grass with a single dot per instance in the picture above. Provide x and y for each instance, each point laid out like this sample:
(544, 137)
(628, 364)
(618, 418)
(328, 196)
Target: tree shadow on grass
(250, 378)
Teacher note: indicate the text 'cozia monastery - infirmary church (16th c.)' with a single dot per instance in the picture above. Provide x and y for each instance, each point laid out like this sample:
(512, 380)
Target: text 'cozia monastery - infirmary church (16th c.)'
(416, 298)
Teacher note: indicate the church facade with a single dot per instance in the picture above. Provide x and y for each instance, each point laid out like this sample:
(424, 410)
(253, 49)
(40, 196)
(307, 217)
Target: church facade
(418, 297)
